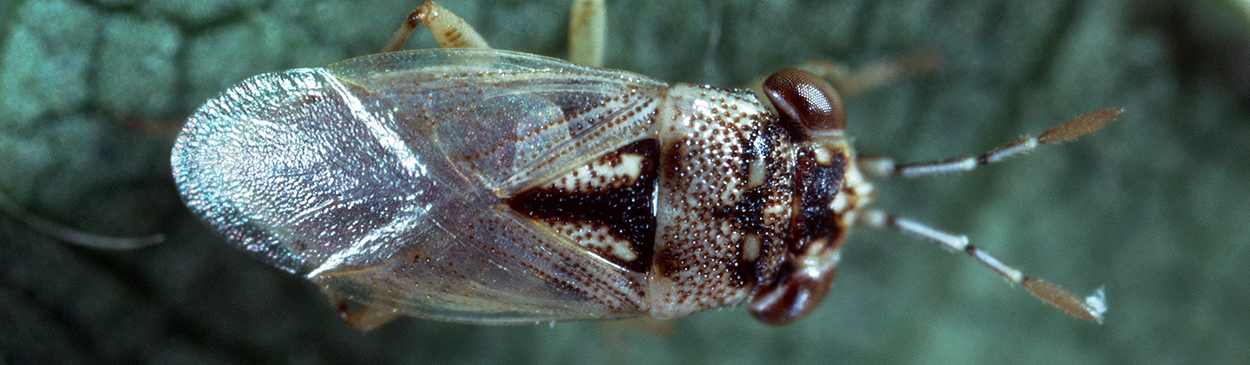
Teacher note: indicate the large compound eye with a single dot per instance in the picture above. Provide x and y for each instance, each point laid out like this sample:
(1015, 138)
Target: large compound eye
(806, 100)
(792, 297)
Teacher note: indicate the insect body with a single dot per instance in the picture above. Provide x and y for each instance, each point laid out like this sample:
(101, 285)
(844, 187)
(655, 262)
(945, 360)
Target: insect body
(487, 186)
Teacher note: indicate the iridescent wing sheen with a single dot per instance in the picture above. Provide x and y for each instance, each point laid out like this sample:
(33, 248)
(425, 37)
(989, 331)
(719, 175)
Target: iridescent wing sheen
(383, 179)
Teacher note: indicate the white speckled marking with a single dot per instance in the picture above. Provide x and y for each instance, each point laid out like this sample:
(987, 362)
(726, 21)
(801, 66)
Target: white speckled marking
(751, 247)
(598, 237)
(623, 170)
(756, 174)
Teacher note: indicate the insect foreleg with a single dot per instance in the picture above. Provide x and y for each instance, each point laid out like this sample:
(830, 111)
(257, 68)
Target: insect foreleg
(850, 82)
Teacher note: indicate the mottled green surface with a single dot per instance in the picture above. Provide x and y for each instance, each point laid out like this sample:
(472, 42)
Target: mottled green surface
(1155, 207)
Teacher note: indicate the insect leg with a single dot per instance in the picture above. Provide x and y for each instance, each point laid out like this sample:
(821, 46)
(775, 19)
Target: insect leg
(873, 75)
(71, 235)
(1090, 308)
(587, 24)
(448, 29)
(1079, 126)
(849, 82)
(363, 319)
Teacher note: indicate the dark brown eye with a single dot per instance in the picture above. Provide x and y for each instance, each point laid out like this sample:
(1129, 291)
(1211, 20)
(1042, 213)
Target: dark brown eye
(791, 298)
(806, 100)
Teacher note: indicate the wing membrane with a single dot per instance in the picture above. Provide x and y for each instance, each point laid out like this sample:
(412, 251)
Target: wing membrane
(511, 120)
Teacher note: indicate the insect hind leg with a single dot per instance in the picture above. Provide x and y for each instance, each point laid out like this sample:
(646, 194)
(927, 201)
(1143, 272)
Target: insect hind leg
(365, 317)
(64, 233)
(448, 29)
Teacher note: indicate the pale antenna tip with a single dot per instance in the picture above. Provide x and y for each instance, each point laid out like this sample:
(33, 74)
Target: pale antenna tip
(1090, 308)
(1097, 302)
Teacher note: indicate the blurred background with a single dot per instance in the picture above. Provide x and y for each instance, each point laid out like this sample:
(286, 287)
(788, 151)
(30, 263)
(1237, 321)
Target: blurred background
(1154, 207)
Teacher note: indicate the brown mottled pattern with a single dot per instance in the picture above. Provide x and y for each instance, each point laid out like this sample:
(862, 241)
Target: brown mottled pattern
(705, 208)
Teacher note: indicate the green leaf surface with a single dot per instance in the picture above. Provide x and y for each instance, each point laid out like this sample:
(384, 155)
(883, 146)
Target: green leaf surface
(1155, 207)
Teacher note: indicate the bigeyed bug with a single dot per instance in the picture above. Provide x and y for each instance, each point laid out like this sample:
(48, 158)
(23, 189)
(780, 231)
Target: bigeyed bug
(485, 186)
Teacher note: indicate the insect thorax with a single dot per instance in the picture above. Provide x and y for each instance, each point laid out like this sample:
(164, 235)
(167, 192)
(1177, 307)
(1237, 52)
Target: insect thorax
(720, 202)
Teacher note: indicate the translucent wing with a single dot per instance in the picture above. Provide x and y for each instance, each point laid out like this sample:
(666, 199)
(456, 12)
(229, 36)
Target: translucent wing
(382, 178)
(516, 119)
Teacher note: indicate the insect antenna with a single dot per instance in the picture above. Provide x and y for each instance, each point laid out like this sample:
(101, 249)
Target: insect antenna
(1090, 308)
(1079, 126)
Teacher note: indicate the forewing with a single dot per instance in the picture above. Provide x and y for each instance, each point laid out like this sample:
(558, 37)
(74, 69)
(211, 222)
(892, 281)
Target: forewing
(483, 126)
(511, 120)
(337, 182)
